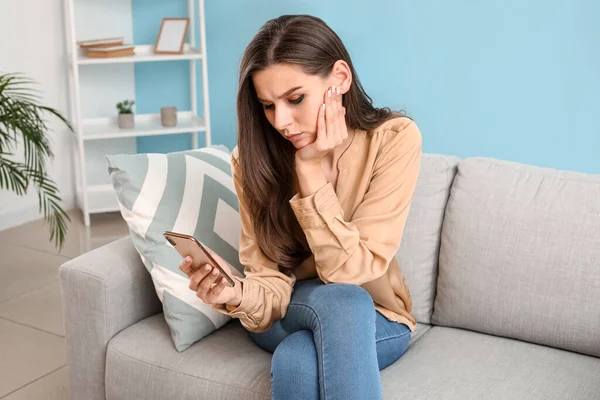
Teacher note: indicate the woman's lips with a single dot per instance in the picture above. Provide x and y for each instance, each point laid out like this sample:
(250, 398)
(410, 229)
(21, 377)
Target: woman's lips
(294, 137)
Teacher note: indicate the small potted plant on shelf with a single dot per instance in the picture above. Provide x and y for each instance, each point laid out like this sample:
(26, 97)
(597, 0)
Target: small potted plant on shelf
(126, 116)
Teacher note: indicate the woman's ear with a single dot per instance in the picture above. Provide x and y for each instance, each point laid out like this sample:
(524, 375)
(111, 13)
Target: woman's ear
(341, 75)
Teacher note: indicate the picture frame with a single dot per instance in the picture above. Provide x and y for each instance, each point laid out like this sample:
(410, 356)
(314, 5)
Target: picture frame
(171, 36)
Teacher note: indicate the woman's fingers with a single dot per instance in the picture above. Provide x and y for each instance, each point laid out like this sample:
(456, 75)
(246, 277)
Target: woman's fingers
(321, 126)
(198, 275)
(331, 121)
(215, 291)
(186, 266)
(342, 132)
(331, 117)
(206, 283)
(336, 127)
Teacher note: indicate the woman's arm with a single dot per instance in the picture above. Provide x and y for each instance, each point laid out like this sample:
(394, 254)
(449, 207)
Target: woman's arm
(360, 250)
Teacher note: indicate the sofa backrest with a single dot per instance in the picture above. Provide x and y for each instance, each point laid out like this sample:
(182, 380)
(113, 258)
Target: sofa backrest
(419, 248)
(520, 255)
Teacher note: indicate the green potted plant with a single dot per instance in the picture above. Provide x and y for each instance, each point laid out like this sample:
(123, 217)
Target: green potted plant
(126, 118)
(22, 122)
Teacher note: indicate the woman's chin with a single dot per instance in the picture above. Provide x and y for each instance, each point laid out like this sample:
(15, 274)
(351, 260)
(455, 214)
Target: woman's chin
(302, 142)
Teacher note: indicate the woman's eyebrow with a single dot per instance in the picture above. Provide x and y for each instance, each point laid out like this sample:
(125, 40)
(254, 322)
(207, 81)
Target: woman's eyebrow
(285, 94)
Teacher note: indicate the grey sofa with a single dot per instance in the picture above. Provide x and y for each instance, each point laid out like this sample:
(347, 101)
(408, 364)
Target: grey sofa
(503, 262)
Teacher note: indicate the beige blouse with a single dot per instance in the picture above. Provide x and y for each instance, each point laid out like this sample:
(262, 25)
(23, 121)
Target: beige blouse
(354, 230)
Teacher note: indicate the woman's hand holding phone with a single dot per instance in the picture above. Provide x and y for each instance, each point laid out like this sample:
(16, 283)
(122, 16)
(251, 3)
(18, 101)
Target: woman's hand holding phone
(207, 282)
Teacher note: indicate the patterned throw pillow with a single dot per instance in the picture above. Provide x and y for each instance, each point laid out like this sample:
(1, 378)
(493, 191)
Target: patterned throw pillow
(190, 192)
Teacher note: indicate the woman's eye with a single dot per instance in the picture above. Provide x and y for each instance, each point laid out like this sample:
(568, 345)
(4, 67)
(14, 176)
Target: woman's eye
(298, 100)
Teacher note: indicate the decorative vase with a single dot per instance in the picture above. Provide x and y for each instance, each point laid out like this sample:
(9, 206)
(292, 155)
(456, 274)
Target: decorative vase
(126, 121)
(168, 116)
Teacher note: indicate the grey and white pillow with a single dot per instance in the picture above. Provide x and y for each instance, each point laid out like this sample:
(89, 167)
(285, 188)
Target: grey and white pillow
(190, 192)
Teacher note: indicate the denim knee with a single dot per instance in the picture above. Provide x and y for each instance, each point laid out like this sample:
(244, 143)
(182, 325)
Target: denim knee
(339, 299)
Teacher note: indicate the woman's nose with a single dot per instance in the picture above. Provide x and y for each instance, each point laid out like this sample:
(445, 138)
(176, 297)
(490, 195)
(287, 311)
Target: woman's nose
(283, 118)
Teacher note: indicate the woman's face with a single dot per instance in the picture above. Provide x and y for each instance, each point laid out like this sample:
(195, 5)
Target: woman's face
(291, 101)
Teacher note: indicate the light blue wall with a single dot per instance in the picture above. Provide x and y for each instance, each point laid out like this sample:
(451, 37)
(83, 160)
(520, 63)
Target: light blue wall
(160, 84)
(511, 79)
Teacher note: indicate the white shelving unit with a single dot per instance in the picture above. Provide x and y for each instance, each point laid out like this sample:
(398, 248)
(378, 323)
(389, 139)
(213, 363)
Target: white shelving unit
(90, 132)
(143, 53)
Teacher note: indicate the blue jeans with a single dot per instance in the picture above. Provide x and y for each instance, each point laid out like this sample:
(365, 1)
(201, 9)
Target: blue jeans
(331, 344)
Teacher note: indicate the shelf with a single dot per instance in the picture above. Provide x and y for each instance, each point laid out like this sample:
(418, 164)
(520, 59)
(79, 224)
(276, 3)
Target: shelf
(145, 125)
(143, 53)
(92, 89)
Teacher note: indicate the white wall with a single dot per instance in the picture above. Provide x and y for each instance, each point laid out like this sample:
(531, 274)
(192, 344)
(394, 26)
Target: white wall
(32, 42)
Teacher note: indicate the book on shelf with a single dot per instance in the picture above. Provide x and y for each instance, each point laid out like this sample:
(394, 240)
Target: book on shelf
(105, 42)
(114, 51)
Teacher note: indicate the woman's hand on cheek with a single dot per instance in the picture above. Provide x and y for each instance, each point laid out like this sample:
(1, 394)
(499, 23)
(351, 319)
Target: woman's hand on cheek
(331, 129)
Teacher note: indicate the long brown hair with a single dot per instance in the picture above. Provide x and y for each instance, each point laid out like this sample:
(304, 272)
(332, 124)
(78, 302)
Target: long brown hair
(266, 159)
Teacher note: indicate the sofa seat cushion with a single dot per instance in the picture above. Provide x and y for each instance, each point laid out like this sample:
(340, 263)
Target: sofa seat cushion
(141, 363)
(449, 363)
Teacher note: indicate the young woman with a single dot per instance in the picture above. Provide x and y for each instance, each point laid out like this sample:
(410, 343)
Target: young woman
(325, 182)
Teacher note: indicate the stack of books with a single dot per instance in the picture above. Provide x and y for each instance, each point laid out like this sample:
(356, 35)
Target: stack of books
(105, 48)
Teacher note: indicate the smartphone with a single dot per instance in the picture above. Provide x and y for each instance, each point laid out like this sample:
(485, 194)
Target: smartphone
(187, 245)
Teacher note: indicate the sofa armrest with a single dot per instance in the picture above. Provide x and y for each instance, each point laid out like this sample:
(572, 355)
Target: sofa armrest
(103, 292)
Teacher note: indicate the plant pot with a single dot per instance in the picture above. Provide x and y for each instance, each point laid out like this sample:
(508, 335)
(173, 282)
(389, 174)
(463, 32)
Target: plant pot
(168, 116)
(126, 121)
